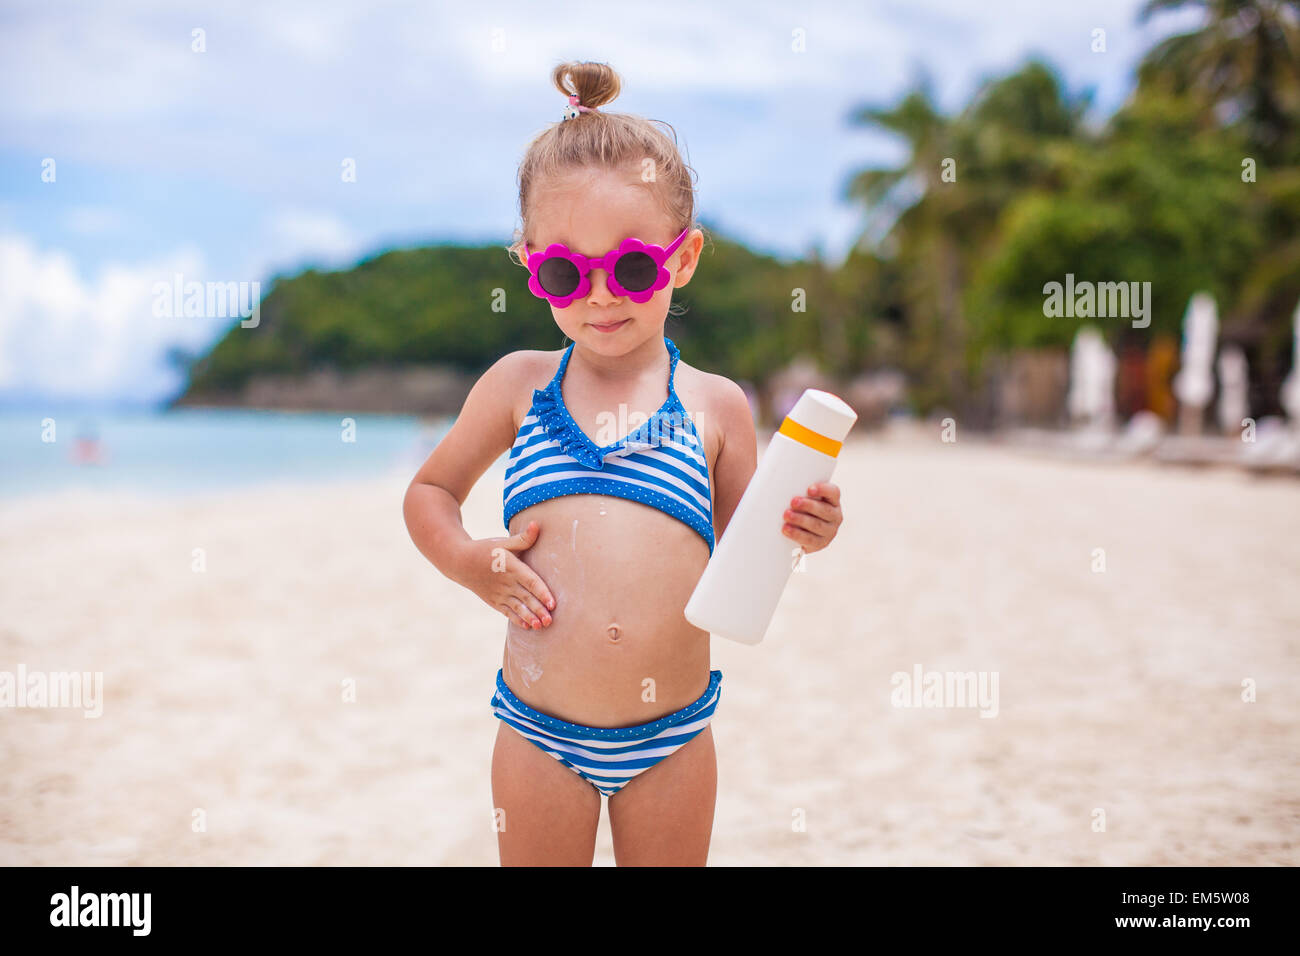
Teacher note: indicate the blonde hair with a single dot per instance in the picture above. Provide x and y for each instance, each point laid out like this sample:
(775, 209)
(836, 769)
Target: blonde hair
(606, 141)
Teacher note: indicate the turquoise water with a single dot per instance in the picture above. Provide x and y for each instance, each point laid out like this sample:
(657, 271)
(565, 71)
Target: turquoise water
(197, 450)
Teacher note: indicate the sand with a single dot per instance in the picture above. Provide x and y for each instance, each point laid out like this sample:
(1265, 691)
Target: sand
(1120, 737)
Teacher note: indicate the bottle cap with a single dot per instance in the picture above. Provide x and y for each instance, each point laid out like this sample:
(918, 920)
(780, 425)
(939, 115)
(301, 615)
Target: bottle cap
(823, 413)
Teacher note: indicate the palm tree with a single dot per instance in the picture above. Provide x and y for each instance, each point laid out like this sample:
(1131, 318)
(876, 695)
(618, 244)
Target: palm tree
(917, 120)
(1242, 64)
(907, 212)
(1003, 143)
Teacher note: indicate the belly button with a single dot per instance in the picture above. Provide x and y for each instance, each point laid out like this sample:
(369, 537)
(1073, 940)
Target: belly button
(614, 632)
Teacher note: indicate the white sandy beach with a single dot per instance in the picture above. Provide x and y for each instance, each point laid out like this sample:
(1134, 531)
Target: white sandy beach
(1119, 691)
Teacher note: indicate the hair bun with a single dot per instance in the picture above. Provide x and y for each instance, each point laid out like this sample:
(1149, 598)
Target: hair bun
(594, 84)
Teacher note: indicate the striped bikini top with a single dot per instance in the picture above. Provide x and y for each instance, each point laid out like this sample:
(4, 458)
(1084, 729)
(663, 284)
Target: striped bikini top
(660, 463)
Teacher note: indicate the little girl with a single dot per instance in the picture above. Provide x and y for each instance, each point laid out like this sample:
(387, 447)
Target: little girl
(604, 687)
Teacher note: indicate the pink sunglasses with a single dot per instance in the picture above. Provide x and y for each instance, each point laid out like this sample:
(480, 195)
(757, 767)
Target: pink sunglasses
(635, 269)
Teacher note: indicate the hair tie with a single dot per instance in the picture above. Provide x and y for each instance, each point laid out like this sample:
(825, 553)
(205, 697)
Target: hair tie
(574, 108)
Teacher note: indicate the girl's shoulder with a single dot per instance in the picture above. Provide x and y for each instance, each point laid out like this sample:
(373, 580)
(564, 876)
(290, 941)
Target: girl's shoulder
(513, 377)
(716, 404)
(707, 391)
(528, 363)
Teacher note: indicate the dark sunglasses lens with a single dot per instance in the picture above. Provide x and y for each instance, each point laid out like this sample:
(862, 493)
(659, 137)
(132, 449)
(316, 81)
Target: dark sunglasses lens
(558, 276)
(636, 271)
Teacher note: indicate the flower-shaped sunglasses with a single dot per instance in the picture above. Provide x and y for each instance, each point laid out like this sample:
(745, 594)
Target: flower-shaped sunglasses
(635, 269)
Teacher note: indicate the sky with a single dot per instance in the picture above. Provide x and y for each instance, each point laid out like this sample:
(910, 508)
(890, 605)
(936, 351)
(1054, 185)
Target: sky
(145, 140)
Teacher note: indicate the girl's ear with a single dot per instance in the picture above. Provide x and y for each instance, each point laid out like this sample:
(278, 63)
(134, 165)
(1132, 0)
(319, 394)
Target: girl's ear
(688, 258)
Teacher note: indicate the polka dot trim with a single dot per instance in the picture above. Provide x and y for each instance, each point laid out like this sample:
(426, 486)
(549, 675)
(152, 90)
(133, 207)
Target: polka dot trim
(601, 486)
(636, 732)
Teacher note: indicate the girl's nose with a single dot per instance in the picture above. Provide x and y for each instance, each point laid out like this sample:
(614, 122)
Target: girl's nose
(600, 290)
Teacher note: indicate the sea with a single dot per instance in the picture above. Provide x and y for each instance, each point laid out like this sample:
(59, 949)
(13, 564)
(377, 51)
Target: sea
(181, 452)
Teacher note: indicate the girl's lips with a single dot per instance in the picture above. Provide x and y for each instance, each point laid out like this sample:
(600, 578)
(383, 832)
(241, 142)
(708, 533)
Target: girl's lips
(611, 326)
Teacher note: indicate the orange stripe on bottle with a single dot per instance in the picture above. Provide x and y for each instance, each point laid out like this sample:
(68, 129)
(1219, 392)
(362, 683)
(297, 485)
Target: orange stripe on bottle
(806, 436)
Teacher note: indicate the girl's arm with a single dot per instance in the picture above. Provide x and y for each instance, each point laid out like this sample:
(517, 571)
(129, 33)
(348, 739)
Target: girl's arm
(737, 455)
(483, 430)
(811, 519)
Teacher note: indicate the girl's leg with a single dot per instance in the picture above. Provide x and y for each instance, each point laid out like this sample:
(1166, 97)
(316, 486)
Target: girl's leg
(664, 817)
(546, 814)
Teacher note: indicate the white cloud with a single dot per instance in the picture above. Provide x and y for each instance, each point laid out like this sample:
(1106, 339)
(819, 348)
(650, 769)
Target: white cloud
(65, 336)
(311, 32)
(94, 65)
(418, 95)
(307, 234)
(252, 131)
(92, 220)
(330, 67)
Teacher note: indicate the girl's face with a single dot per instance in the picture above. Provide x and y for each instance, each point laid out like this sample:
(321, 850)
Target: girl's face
(591, 211)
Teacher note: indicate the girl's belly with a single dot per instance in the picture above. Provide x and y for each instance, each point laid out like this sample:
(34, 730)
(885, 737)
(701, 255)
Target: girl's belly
(618, 650)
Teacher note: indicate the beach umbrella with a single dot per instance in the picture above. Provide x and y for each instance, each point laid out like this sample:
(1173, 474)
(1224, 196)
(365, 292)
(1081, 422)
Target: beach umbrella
(1290, 394)
(1234, 384)
(1194, 383)
(1091, 398)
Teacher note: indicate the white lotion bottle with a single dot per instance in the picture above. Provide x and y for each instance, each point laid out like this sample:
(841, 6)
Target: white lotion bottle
(751, 565)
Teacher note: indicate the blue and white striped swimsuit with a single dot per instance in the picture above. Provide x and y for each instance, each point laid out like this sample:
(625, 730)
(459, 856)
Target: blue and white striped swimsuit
(660, 463)
(608, 757)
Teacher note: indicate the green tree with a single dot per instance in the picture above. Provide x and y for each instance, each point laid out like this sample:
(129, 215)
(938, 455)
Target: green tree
(946, 199)
(1242, 65)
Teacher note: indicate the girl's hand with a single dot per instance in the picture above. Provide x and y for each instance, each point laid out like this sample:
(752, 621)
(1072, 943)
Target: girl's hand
(492, 570)
(814, 521)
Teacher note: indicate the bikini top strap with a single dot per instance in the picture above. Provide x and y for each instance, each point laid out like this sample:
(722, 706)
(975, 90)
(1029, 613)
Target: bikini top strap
(673, 355)
(564, 362)
(673, 397)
